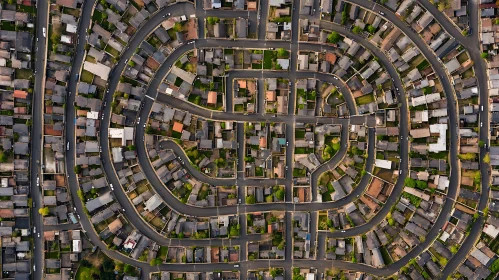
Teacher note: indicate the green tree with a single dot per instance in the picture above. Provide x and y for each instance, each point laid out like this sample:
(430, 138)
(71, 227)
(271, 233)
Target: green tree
(155, 262)
(3, 157)
(250, 199)
(371, 29)
(178, 27)
(77, 169)
(281, 52)
(481, 143)
(280, 194)
(484, 55)
(334, 37)
(128, 269)
(486, 158)
(212, 20)
(44, 211)
(357, 29)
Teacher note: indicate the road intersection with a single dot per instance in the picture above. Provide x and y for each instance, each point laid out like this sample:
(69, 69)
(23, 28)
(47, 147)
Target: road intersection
(175, 204)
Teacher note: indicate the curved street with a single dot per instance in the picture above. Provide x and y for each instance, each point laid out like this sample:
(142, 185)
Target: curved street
(176, 205)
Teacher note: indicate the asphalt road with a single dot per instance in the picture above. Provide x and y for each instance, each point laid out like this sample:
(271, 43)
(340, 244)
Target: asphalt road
(36, 137)
(453, 132)
(137, 221)
(472, 45)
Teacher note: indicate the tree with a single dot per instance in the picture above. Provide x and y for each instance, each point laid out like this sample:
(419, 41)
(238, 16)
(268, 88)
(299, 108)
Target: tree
(334, 37)
(177, 27)
(3, 157)
(128, 269)
(484, 55)
(181, 235)
(85, 263)
(77, 169)
(155, 262)
(280, 194)
(486, 158)
(371, 29)
(212, 20)
(108, 265)
(250, 199)
(481, 143)
(357, 29)
(44, 211)
(281, 52)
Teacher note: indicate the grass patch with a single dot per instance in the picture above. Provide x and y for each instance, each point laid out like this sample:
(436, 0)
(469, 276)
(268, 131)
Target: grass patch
(299, 134)
(7, 25)
(112, 51)
(256, 66)
(386, 256)
(86, 77)
(85, 273)
(239, 108)
(365, 99)
(268, 58)
(98, 16)
(26, 9)
(301, 150)
(24, 74)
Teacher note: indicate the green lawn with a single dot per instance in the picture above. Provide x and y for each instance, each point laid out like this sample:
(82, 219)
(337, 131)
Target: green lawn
(365, 99)
(299, 134)
(86, 77)
(98, 16)
(24, 74)
(26, 9)
(163, 251)
(239, 108)
(7, 25)
(256, 66)
(300, 150)
(268, 57)
(299, 172)
(258, 171)
(112, 51)
(85, 273)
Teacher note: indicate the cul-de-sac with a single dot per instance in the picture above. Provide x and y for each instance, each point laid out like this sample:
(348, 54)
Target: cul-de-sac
(249, 139)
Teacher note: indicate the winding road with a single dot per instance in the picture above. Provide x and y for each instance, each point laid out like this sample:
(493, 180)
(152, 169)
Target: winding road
(176, 205)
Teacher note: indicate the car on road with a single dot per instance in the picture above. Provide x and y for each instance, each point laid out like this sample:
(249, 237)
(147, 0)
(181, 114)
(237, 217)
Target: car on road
(138, 120)
(336, 78)
(124, 210)
(481, 124)
(37, 181)
(38, 235)
(287, 143)
(100, 149)
(239, 201)
(286, 167)
(34, 267)
(381, 13)
(44, 31)
(67, 146)
(112, 188)
(481, 108)
(343, 231)
(236, 265)
(34, 229)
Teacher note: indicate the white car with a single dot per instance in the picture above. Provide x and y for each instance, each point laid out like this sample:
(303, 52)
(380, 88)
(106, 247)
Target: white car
(138, 120)
(481, 124)
(37, 181)
(44, 32)
(112, 188)
(38, 235)
(381, 13)
(343, 231)
(34, 229)
(287, 143)
(481, 108)
(67, 146)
